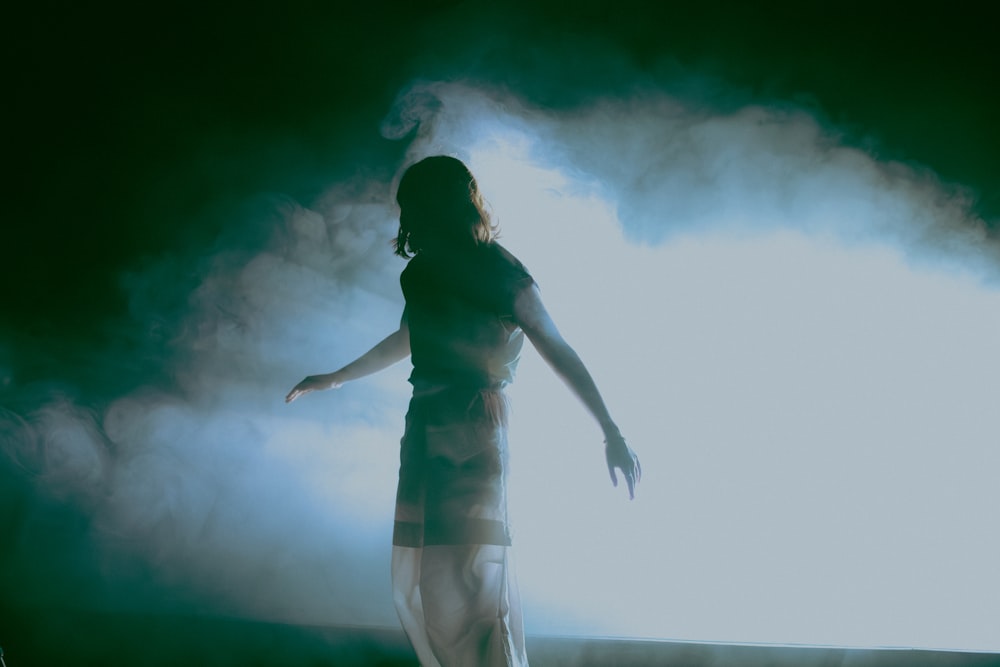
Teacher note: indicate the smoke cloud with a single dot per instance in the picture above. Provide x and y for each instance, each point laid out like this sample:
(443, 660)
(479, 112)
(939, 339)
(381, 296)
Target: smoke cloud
(808, 328)
(207, 477)
(798, 339)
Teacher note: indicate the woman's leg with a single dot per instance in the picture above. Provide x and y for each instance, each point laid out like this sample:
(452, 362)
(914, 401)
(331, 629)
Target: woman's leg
(409, 605)
(471, 606)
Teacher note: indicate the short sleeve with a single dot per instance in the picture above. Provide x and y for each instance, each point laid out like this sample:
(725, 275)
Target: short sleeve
(510, 276)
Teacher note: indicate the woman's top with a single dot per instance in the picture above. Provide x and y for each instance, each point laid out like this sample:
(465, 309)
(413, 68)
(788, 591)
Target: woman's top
(460, 313)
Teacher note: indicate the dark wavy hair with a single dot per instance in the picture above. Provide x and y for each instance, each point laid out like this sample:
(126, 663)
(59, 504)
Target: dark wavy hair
(440, 205)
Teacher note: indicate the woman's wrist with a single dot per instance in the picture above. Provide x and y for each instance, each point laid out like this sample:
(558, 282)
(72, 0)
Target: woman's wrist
(611, 431)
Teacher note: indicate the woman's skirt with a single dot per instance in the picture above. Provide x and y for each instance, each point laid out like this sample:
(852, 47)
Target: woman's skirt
(453, 579)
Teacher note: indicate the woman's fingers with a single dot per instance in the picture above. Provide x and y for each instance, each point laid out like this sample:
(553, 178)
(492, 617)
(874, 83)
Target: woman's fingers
(301, 389)
(313, 383)
(625, 459)
(631, 479)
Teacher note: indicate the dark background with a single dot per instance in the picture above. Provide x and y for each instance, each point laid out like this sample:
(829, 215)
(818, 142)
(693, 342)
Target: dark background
(136, 132)
(132, 131)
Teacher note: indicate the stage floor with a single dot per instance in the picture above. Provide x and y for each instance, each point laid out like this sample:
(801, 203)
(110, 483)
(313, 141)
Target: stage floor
(46, 638)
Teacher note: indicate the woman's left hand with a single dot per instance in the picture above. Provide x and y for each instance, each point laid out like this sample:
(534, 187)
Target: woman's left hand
(621, 456)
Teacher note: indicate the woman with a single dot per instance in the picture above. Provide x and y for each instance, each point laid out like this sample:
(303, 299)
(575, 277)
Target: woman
(469, 304)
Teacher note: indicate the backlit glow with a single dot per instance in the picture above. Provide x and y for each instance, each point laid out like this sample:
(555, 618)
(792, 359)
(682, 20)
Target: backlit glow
(799, 341)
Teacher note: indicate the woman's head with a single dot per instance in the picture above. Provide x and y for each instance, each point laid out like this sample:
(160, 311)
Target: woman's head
(440, 207)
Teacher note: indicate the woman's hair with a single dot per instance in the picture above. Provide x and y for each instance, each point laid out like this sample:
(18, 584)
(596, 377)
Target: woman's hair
(439, 202)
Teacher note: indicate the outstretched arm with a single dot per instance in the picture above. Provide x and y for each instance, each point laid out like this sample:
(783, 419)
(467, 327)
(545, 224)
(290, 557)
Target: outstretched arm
(394, 347)
(531, 315)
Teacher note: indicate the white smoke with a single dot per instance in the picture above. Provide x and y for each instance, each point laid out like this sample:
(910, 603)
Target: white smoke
(798, 339)
(212, 479)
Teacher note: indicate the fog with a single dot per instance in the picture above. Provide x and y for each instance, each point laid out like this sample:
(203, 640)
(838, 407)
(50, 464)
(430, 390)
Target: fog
(799, 341)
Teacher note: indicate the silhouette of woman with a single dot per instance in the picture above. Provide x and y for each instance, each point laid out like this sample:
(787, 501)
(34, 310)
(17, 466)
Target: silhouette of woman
(469, 304)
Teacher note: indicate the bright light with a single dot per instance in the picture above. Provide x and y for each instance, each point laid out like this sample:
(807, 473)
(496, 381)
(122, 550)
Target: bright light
(800, 343)
(816, 423)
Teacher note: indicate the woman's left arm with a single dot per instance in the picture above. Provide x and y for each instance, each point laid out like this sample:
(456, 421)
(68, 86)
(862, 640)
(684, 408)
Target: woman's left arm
(531, 315)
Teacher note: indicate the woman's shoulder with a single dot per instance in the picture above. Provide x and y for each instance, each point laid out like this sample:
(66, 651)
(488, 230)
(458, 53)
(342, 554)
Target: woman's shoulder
(510, 275)
(505, 260)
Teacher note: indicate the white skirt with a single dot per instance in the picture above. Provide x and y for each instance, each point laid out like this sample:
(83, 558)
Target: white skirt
(452, 571)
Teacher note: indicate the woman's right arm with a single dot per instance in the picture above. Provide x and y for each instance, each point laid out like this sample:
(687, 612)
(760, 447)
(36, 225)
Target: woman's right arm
(394, 347)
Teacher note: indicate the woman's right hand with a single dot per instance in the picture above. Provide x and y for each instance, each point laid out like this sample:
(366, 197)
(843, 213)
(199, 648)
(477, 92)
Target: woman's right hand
(313, 383)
